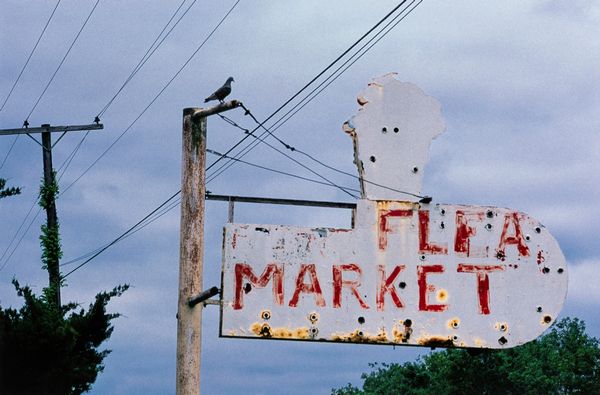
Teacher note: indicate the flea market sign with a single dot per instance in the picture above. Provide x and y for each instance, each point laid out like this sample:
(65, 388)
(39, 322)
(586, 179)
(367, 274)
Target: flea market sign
(408, 272)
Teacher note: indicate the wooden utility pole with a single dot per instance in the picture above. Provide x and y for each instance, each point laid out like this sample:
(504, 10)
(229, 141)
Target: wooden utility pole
(52, 219)
(191, 251)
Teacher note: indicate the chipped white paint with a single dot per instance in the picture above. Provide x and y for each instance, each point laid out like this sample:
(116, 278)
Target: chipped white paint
(407, 273)
(392, 133)
(440, 275)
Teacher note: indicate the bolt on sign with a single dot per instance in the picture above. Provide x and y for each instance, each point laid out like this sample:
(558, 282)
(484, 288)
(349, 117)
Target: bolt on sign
(407, 273)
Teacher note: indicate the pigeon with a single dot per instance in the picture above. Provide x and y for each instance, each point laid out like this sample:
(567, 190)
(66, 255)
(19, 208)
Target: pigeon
(222, 92)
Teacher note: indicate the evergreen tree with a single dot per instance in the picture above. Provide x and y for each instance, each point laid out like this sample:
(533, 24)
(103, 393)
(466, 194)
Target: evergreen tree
(7, 191)
(47, 348)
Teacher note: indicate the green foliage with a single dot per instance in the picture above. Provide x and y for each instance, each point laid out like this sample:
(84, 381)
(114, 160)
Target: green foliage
(50, 236)
(50, 242)
(7, 191)
(564, 361)
(48, 192)
(50, 350)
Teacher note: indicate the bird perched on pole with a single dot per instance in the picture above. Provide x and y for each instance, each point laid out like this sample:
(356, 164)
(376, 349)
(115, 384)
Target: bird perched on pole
(222, 92)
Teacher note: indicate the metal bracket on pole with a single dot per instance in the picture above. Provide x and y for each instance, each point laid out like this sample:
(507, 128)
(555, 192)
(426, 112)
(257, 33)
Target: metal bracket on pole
(203, 296)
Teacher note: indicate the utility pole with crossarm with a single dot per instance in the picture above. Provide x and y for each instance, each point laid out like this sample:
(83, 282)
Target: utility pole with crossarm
(52, 220)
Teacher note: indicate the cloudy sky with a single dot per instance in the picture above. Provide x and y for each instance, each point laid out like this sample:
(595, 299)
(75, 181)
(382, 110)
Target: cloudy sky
(519, 85)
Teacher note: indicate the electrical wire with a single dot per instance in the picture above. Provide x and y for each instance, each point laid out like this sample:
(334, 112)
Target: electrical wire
(154, 99)
(150, 220)
(309, 156)
(12, 145)
(225, 155)
(282, 172)
(29, 57)
(123, 133)
(149, 52)
(123, 235)
(394, 22)
(19, 77)
(329, 182)
(62, 61)
(294, 110)
(311, 81)
(61, 172)
(156, 214)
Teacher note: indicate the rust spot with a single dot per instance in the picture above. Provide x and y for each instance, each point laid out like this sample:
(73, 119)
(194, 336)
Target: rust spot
(500, 255)
(454, 323)
(436, 341)
(301, 333)
(265, 330)
(442, 295)
(359, 336)
(281, 333)
(381, 337)
(547, 319)
(479, 342)
(398, 335)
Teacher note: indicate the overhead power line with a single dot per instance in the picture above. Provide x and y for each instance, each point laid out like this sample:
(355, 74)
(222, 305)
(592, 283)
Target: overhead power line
(165, 207)
(329, 182)
(124, 234)
(309, 156)
(29, 57)
(306, 86)
(62, 60)
(149, 52)
(128, 128)
(226, 154)
(64, 190)
(12, 145)
(321, 86)
(61, 172)
(282, 172)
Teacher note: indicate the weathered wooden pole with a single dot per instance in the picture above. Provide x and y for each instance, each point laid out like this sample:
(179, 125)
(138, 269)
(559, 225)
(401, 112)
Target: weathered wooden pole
(191, 251)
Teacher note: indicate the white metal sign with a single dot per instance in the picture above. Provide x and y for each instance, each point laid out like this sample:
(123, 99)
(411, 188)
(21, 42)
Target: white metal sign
(407, 273)
(415, 274)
